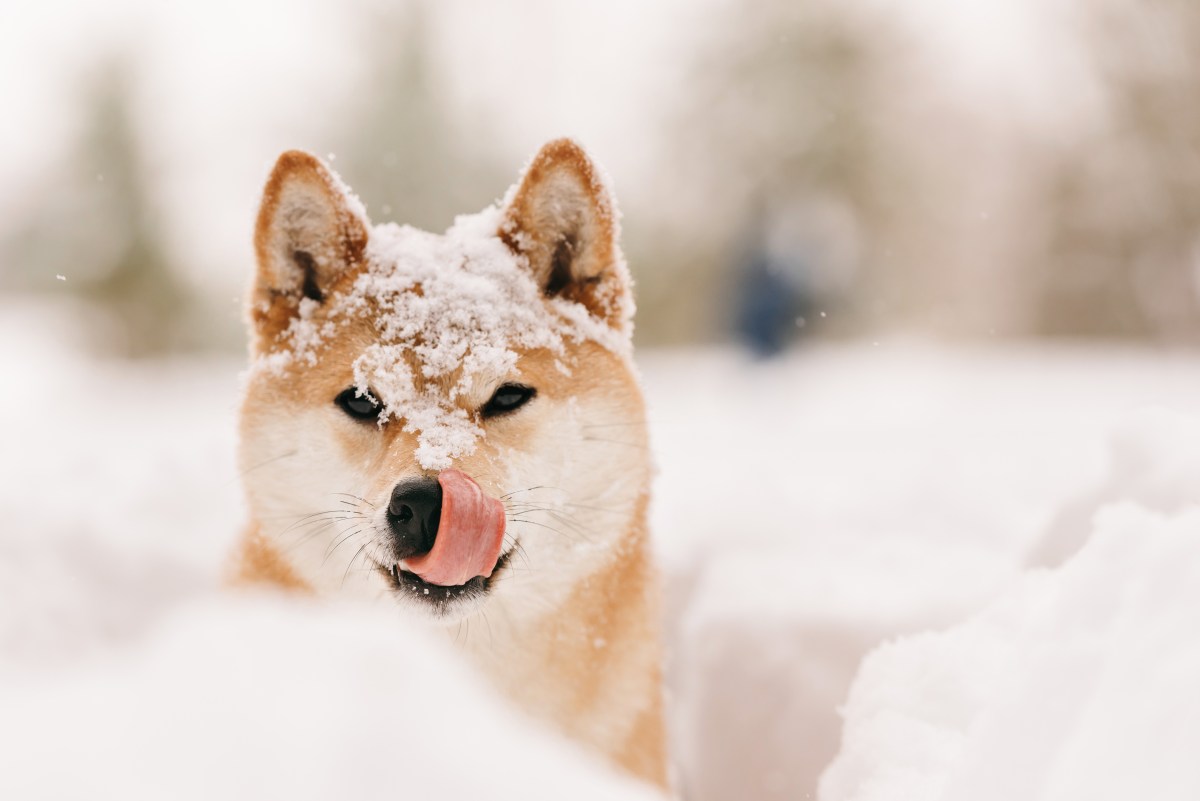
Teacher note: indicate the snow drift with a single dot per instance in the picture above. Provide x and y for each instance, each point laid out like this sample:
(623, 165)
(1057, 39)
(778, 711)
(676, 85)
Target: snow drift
(1077, 685)
(1153, 460)
(914, 483)
(252, 698)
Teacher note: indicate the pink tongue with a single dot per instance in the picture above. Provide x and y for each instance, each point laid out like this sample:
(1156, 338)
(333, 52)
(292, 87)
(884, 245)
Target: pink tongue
(469, 536)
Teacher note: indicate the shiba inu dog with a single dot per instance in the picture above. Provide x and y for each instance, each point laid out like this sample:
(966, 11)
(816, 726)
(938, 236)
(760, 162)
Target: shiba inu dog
(451, 425)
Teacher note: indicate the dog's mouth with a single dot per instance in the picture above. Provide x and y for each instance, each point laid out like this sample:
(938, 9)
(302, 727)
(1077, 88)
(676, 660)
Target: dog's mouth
(440, 596)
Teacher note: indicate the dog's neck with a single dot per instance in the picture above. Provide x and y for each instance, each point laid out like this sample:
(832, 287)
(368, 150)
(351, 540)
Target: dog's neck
(591, 666)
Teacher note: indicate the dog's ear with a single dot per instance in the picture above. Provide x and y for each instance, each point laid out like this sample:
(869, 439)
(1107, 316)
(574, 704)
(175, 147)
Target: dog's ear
(563, 220)
(310, 232)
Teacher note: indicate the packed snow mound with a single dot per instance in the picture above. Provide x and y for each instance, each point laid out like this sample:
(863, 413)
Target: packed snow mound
(792, 622)
(1153, 460)
(252, 698)
(1077, 685)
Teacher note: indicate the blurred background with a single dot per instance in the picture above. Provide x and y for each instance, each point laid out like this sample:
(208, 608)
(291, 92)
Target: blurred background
(787, 170)
(904, 269)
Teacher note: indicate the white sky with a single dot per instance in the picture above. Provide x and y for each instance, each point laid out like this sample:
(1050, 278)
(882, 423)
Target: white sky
(228, 84)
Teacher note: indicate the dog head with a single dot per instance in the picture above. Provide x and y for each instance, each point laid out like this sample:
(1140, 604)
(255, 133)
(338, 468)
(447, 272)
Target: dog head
(443, 421)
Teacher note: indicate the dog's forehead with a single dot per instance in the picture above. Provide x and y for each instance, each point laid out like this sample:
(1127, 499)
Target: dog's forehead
(460, 302)
(455, 290)
(449, 314)
(435, 319)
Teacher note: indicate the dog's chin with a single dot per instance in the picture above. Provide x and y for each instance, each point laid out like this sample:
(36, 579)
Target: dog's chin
(438, 602)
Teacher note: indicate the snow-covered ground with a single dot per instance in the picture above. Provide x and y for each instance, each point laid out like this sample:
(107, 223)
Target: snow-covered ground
(1077, 684)
(812, 508)
(807, 510)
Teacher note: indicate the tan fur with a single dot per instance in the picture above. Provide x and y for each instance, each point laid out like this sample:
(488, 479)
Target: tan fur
(258, 562)
(562, 176)
(575, 644)
(275, 297)
(593, 667)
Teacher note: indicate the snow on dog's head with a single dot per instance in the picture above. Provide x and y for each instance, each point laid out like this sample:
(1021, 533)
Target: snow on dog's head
(384, 355)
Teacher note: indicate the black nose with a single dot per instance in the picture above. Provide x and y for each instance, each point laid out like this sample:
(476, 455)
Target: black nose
(413, 516)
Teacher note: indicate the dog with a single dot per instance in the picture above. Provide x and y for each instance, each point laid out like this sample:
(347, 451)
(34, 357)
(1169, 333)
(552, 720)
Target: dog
(452, 426)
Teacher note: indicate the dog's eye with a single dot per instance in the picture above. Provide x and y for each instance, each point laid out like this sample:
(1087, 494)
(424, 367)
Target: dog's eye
(508, 398)
(360, 407)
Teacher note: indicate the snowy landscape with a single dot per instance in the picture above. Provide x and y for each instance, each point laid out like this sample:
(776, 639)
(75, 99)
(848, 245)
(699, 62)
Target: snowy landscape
(918, 291)
(894, 570)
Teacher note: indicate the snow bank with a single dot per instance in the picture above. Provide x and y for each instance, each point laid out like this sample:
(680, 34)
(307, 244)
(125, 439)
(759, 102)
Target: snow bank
(768, 641)
(1153, 460)
(120, 495)
(855, 495)
(851, 495)
(1080, 683)
(257, 698)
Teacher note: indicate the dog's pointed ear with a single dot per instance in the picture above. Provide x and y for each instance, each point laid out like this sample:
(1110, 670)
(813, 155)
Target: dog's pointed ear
(310, 232)
(563, 219)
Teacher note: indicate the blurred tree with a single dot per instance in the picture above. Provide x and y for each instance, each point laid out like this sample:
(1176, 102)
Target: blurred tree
(93, 230)
(1123, 228)
(404, 152)
(783, 117)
